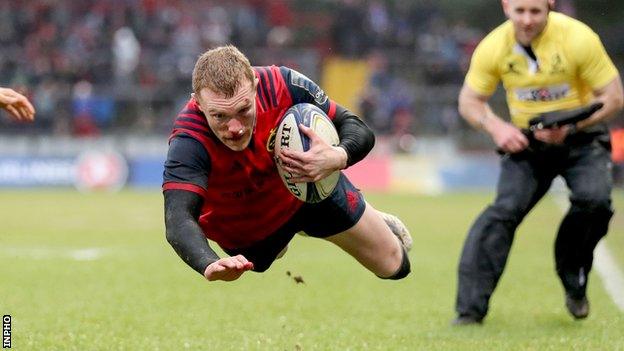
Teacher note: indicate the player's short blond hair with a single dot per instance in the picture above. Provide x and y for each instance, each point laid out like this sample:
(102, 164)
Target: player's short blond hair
(221, 70)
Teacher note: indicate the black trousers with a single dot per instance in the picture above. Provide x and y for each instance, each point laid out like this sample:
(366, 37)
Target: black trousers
(524, 179)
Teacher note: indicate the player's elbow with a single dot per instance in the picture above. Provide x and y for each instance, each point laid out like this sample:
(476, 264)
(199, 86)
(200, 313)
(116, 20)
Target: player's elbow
(616, 92)
(172, 236)
(362, 132)
(173, 227)
(461, 108)
(463, 103)
(369, 139)
(470, 101)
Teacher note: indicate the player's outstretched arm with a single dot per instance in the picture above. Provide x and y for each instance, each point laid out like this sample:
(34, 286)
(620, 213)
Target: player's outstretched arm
(228, 268)
(17, 105)
(183, 232)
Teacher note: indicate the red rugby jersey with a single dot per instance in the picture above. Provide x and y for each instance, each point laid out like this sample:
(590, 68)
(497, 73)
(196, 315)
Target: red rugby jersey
(244, 198)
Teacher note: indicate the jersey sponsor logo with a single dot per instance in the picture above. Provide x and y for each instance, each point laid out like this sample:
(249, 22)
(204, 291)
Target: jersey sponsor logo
(299, 80)
(550, 93)
(270, 145)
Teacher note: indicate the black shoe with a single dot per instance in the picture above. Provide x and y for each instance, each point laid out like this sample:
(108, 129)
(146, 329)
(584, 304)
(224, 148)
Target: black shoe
(578, 308)
(467, 320)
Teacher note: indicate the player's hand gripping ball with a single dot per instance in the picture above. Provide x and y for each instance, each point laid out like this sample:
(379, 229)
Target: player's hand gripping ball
(289, 136)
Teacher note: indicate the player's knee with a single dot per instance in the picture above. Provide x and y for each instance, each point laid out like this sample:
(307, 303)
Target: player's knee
(403, 270)
(592, 204)
(505, 212)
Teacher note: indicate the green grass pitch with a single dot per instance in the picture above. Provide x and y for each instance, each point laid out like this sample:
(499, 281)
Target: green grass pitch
(94, 272)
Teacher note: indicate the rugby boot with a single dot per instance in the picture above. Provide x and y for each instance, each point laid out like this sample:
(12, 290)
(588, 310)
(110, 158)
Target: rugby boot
(466, 320)
(578, 308)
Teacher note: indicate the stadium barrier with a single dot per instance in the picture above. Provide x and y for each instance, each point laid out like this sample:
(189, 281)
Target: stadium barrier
(109, 171)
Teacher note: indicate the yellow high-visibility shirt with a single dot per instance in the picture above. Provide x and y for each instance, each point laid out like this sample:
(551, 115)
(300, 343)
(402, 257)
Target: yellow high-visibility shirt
(571, 63)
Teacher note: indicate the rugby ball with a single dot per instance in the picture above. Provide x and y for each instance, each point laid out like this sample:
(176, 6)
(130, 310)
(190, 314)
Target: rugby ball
(289, 136)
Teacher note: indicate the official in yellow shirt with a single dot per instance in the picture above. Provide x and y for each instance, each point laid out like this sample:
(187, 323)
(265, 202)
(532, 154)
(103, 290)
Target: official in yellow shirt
(546, 62)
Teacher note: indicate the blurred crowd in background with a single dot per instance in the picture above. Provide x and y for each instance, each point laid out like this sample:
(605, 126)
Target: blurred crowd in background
(96, 67)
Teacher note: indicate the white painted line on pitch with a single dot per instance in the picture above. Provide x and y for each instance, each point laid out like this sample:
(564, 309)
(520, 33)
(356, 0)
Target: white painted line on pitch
(46, 253)
(87, 254)
(611, 275)
(606, 266)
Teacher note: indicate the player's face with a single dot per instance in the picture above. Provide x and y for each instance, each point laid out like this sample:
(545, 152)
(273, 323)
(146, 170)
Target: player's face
(528, 17)
(232, 119)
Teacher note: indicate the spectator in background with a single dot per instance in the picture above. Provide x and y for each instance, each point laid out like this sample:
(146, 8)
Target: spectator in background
(217, 29)
(379, 23)
(387, 101)
(126, 52)
(47, 98)
(92, 112)
(84, 124)
(250, 26)
(17, 105)
(347, 32)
